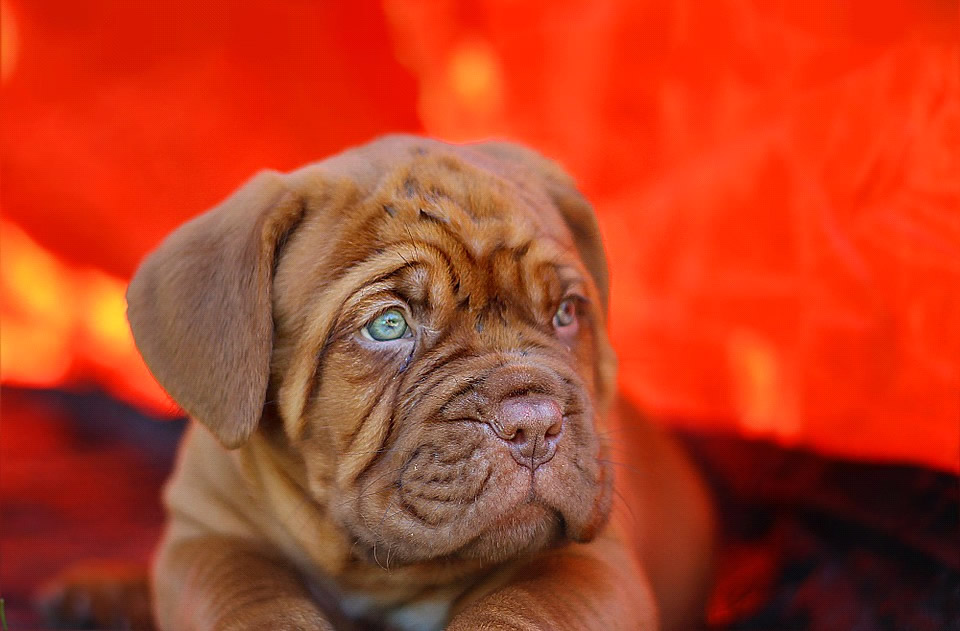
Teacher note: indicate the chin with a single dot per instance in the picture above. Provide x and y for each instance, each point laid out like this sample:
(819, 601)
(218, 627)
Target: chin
(523, 530)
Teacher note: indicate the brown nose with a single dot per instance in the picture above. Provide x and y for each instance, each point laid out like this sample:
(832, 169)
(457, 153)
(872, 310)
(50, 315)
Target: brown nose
(531, 426)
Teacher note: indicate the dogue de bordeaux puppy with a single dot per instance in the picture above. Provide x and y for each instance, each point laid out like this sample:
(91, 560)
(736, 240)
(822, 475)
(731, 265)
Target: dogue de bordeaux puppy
(404, 407)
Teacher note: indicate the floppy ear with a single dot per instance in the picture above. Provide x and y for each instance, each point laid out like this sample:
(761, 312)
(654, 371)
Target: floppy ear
(200, 306)
(574, 207)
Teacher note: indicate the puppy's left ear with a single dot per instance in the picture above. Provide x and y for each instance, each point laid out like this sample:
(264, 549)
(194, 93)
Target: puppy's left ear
(200, 306)
(576, 210)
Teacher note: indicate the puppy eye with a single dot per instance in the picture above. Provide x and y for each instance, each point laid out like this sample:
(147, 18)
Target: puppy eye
(566, 314)
(389, 325)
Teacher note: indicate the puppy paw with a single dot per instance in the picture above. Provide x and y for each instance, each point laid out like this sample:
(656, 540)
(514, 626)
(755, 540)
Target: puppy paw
(97, 596)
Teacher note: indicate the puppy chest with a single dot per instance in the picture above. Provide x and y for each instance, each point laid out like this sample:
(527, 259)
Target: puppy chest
(427, 614)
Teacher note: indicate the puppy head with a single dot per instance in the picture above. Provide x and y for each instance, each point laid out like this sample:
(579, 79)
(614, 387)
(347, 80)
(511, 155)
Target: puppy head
(428, 319)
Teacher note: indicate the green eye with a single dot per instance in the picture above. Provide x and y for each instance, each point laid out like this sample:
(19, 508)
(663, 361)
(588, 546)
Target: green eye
(387, 326)
(566, 314)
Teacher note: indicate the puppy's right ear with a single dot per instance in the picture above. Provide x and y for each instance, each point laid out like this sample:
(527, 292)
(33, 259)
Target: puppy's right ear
(200, 306)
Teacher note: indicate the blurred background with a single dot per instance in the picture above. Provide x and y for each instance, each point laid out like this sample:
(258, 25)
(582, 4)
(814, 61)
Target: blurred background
(778, 185)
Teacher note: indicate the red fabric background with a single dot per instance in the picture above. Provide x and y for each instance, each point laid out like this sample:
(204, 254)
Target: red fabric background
(779, 186)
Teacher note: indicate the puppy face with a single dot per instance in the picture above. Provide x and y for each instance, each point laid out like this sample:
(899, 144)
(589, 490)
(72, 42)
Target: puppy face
(437, 352)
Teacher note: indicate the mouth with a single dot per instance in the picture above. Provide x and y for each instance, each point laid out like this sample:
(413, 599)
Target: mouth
(543, 508)
(508, 517)
(463, 496)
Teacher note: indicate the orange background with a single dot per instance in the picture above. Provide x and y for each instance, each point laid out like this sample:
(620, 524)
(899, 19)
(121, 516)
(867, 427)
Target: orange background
(778, 183)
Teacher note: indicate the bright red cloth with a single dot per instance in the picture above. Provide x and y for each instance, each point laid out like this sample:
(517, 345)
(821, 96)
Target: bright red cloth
(779, 187)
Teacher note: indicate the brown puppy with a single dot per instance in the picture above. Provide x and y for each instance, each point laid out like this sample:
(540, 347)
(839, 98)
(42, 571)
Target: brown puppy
(398, 364)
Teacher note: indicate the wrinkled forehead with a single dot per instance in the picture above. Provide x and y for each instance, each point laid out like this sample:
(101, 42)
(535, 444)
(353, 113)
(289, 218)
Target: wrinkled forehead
(450, 200)
(448, 183)
(476, 207)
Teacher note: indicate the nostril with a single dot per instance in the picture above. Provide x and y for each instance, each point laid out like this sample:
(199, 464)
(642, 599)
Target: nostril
(519, 437)
(508, 434)
(555, 429)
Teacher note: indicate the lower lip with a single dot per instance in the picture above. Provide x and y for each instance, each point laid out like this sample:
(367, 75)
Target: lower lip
(519, 516)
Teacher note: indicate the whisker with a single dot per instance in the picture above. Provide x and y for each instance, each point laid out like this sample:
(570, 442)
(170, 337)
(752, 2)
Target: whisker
(626, 466)
(627, 504)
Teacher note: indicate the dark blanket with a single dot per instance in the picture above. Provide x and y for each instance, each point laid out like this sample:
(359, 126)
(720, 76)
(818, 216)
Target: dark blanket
(808, 542)
(817, 544)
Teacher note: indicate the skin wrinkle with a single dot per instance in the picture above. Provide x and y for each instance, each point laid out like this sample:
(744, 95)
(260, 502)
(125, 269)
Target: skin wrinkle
(378, 455)
(448, 227)
(430, 376)
(355, 432)
(382, 436)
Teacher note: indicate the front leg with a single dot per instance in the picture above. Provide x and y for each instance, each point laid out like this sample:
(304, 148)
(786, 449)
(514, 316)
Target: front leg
(214, 583)
(597, 586)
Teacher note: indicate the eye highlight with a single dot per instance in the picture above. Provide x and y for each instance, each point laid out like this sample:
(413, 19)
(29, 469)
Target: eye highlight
(389, 325)
(566, 314)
